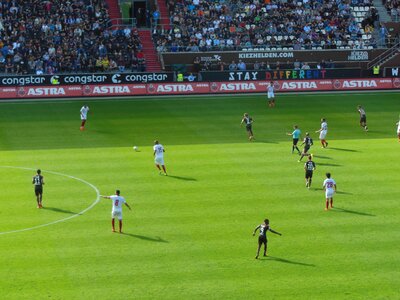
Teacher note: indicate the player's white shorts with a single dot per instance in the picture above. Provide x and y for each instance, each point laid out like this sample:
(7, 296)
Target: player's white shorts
(83, 117)
(271, 95)
(116, 214)
(329, 193)
(322, 134)
(159, 160)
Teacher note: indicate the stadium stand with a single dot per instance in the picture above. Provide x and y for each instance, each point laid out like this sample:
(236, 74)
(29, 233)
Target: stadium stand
(267, 25)
(56, 36)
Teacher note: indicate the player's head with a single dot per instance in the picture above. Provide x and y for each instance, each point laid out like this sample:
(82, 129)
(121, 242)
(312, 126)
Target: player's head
(272, 83)
(85, 106)
(246, 115)
(359, 106)
(307, 134)
(155, 142)
(117, 192)
(310, 157)
(266, 221)
(323, 120)
(38, 171)
(295, 126)
(328, 175)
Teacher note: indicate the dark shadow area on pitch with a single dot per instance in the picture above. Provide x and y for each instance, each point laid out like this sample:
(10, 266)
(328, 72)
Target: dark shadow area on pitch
(343, 149)
(329, 165)
(343, 193)
(59, 210)
(262, 141)
(286, 261)
(339, 209)
(322, 157)
(338, 192)
(146, 238)
(182, 178)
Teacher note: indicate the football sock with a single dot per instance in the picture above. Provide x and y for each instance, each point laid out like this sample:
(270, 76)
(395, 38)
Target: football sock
(165, 171)
(327, 204)
(120, 225)
(113, 224)
(331, 203)
(83, 123)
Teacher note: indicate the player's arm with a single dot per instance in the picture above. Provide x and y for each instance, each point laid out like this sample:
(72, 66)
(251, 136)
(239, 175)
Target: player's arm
(154, 153)
(242, 122)
(335, 187)
(42, 180)
(276, 232)
(288, 133)
(314, 166)
(127, 205)
(105, 197)
(255, 230)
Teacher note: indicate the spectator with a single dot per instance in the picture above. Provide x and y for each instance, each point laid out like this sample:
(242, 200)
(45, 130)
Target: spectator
(241, 66)
(233, 66)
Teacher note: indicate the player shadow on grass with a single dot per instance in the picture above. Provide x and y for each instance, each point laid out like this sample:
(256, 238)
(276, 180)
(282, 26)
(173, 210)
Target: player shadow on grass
(338, 192)
(64, 211)
(344, 149)
(322, 157)
(286, 261)
(329, 165)
(146, 238)
(182, 178)
(339, 209)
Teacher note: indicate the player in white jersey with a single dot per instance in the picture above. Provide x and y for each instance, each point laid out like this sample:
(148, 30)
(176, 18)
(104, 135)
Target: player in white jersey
(323, 132)
(116, 211)
(84, 112)
(330, 189)
(271, 95)
(398, 130)
(159, 157)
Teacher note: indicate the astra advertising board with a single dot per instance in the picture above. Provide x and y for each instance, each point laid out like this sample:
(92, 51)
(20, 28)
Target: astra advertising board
(190, 88)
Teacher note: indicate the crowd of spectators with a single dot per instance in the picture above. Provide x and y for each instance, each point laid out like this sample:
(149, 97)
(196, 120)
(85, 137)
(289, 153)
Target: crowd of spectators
(260, 65)
(54, 36)
(234, 24)
(393, 8)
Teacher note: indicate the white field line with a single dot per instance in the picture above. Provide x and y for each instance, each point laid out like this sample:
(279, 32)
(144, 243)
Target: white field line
(64, 219)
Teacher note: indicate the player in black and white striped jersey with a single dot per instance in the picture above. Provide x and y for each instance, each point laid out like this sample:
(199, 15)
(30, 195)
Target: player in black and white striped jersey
(363, 117)
(262, 238)
(309, 167)
(248, 121)
(38, 181)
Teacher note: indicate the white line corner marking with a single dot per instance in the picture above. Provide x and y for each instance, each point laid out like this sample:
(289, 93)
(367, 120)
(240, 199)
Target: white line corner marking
(61, 220)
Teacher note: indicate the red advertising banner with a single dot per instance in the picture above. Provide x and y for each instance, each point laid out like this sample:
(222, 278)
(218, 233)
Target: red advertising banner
(178, 88)
(362, 84)
(114, 90)
(185, 88)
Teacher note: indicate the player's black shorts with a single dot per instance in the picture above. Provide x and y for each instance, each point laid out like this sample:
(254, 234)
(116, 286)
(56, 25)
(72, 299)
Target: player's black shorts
(309, 174)
(38, 191)
(363, 119)
(262, 239)
(306, 148)
(295, 141)
(248, 128)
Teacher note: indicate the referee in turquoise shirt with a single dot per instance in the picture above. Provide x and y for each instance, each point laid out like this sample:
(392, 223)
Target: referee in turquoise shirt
(296, 136)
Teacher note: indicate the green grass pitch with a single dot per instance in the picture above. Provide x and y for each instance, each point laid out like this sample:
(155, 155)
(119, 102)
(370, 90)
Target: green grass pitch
(189, 235)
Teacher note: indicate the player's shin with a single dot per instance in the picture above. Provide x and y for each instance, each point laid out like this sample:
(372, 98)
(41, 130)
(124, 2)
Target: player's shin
(120, 225)
(331, 202)
(113, 224)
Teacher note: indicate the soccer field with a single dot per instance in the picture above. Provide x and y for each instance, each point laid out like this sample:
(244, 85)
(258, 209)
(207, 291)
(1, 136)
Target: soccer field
(189, 235)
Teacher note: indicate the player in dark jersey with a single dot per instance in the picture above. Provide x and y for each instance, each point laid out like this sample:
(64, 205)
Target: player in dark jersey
(38, 181)
(307, 142)
(248, 121)
(262, 238)
(309, 167)
(363, 117)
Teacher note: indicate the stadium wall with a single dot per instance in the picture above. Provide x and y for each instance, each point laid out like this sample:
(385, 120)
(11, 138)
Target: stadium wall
(187, 88)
